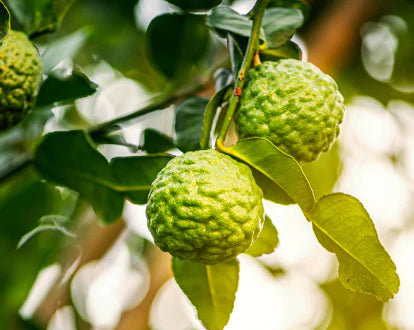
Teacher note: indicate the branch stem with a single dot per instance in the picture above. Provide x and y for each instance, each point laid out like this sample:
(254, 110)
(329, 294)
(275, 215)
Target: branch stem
(252, 48)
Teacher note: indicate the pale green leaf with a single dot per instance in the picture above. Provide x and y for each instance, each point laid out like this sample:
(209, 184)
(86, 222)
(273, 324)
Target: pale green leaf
(266, 242)
(64, 48)
(281, 177)
(344, 227)
(41, 228)
(210, 288)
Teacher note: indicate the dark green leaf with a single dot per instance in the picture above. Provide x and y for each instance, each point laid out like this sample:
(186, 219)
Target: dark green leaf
(210, 288)
(4, 21)
(344, 227)
(116, 138)
(177, 43)
(266, 242)
(37, 17)
(58, 87)
(64, 48)
(23, 204)
(195, 5)
(237, 47)
(223, 77)
(189, 121)
(288, 50)
(135, 174)
(209, 115)
(68, 159)
(302, 5)
(224, 19)
(155, 142)
(280, 24)
(277, 167)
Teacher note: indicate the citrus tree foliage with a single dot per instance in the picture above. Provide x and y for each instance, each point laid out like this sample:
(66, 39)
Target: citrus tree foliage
(179, 45)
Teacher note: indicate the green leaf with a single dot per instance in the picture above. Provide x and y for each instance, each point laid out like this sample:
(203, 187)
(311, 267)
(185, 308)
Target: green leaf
(195, 5)
(189, 122)
(210, 288)
(209, 115)
(177, 43)
(68, 159)
(224, 19)
(302, 5)
(237, 47)
(344, 227)
(37, 17)
(155, 142)
(288, 50)
(4, 21)
(223, 77)
(280, 24)
(135, 174)
(115, 138)
(267, 241)
(351, 308)
(281, 171)
(64, 48)
(324, 172)
(58, 87)
(41, 228)
(22, 204)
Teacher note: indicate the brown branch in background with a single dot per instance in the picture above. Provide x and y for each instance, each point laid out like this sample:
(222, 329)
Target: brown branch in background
(336, 35)
(95, 241)
(138, 317)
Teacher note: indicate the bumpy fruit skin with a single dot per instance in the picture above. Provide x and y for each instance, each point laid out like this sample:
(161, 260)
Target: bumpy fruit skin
(294, 105)
(205, 207)
(20, 78)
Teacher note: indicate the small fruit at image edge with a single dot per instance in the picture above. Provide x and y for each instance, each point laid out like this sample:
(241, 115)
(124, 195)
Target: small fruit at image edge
(205, 207)
(20, 78)
(294, 105)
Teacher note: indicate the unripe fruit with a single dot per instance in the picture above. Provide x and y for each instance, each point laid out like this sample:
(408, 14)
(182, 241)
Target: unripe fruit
(294, 105)
(20, 78)
(205, 207)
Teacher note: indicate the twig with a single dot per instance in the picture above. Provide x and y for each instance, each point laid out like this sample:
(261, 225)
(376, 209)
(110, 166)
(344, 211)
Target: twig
(252, 48)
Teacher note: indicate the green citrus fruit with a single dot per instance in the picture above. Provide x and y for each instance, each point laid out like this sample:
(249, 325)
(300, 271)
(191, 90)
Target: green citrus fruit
(20, 78)
(294, 105)
(205, 207)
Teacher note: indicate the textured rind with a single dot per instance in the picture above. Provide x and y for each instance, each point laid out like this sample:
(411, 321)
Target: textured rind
(294, 105)
(205, 207)
(20, 78)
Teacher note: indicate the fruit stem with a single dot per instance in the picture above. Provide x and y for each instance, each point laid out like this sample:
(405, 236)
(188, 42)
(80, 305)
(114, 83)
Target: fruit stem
(252, 48)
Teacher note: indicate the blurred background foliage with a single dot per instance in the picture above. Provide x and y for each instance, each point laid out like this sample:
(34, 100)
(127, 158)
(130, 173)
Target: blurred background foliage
(369, 49)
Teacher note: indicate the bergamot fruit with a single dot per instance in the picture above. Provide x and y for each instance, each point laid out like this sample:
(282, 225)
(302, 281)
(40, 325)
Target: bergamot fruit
(20, 78)
(205, 207)
(294, 105)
